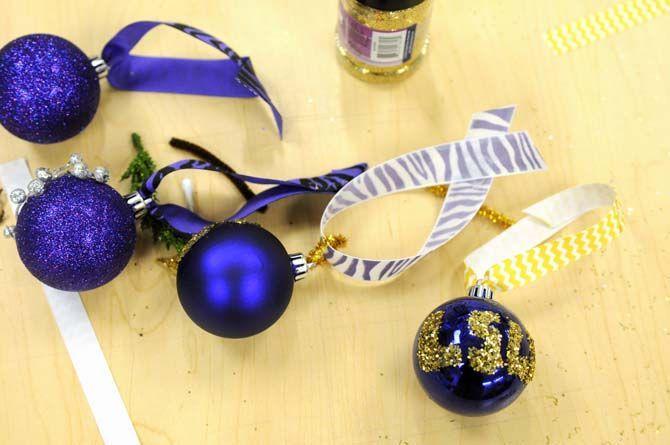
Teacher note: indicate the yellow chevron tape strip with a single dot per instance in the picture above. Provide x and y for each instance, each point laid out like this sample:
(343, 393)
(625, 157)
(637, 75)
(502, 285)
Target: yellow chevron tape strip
(617, 18)
(551, 256)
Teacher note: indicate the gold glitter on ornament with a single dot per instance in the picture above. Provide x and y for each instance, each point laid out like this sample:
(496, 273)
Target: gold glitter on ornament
(488, 359)
(172, 263)
(431, 354)
(522, 367)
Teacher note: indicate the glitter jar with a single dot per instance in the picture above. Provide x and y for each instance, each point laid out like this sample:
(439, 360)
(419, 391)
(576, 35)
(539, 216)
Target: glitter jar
(382, 40)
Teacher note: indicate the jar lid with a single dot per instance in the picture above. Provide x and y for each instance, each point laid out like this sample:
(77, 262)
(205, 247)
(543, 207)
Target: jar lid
(390, 5)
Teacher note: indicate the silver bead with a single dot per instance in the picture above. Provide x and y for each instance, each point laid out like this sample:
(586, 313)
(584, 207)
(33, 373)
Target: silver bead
(8, 231)
(43, 174)
(101, 174)
(18, 196)
(79, 170)
(35, 187)
(76, 158)
(299, 266)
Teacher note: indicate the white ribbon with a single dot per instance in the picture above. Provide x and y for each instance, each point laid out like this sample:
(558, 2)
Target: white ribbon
(544, 220)
(82, 345)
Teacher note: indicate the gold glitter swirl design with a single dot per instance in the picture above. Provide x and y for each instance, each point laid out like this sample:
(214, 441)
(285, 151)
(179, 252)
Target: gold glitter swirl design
(485, 211)
(488, 358)
(431, 354)
(522, 367)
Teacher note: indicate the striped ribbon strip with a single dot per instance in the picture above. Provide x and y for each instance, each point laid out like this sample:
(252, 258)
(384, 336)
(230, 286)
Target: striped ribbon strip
(468, 166)
(613, 20)
(546, 218)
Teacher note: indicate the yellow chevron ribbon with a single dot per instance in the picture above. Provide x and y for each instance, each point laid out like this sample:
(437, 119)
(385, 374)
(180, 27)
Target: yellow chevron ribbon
(530, 265)
(613, 20)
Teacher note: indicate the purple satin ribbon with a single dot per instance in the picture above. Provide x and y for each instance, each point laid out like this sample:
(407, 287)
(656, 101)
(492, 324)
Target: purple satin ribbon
(233, 77)
(188, 223)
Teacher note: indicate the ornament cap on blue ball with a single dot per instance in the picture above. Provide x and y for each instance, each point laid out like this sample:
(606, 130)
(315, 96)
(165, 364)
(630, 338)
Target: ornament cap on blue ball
(472, 356)
(235, 279)
(73, 232)
(49, 89)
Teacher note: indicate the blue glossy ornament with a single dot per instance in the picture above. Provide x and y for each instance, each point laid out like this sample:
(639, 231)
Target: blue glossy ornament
(236, 280)
(49, 91)
(473, 384)
(77, 235)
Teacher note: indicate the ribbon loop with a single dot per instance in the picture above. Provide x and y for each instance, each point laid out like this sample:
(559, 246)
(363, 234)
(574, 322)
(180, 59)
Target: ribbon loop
(233, 77)
(189, 223)
(517, 257)
(468, 166)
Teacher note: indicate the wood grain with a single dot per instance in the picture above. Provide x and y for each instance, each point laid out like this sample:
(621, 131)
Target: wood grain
(337, 368)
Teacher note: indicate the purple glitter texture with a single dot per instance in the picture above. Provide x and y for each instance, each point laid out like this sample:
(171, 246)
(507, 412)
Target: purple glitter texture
(49, 91)
(78, 235)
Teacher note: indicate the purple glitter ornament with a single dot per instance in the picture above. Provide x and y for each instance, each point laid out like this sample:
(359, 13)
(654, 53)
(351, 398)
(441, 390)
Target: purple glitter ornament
(49, 90)
(78, 234)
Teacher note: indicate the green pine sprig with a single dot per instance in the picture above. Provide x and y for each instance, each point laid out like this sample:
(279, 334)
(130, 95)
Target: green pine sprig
(141, 167)
(139, 170)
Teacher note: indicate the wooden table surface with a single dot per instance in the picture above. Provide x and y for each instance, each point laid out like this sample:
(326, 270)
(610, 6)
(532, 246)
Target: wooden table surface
(336, 369)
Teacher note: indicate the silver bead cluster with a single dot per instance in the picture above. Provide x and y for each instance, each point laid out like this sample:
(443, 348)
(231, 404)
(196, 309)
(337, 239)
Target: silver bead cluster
(75, 167)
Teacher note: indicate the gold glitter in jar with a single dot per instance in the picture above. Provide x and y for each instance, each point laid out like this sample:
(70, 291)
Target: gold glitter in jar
(382, 45)
(522, 367)
(431, 354)
(488, 359)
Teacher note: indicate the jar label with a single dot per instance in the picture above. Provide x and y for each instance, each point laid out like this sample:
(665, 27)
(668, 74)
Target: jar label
(374, 47)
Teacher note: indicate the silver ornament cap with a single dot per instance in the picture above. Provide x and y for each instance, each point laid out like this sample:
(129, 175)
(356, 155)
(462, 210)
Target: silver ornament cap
(299, 265)
(480, 290)
(138, 204)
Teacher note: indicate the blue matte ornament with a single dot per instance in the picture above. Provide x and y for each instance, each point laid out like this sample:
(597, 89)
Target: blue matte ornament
(473, 357)
(49, 90)
(235, 279)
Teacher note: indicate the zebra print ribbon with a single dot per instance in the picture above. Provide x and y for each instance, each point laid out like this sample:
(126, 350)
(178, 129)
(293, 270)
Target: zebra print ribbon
(516, 257)
(468, 166)
(234, 77)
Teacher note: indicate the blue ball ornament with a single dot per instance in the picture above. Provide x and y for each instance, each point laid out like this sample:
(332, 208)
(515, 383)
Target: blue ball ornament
(235, 279)
(74, 234)
(473, 357)
(49, 90)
